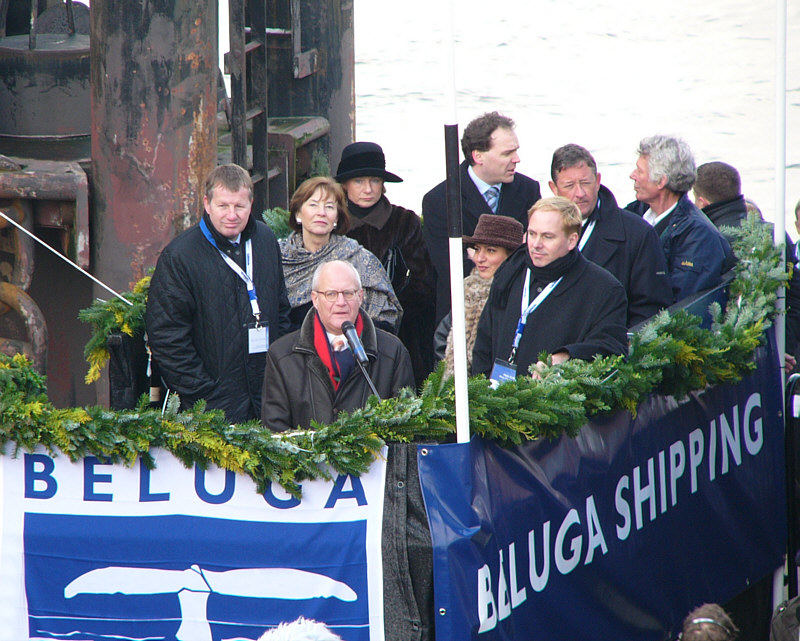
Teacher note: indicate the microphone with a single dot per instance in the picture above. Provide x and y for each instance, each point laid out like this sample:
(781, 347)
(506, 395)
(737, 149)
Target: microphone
(350, 333)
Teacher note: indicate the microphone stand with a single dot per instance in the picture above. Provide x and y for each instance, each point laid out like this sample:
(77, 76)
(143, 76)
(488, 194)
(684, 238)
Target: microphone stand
(359, 355)
(369, 380)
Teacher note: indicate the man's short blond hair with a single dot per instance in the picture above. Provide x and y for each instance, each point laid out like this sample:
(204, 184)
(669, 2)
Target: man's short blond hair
(570, 214)
(231, 177)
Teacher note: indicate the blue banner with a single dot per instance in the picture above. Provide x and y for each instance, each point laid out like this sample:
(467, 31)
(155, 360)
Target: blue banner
(91, 550)
(619, 532)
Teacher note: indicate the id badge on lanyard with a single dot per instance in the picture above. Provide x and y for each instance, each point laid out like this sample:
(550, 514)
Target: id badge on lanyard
(257, 338)
(257, 332)
(503, 371)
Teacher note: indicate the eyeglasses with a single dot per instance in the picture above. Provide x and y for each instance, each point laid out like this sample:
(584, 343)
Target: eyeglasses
(701, 620)
(332, 295)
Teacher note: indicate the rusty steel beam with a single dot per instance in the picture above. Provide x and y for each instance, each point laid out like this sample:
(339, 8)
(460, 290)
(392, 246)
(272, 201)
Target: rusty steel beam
(154, 136)
(16, 246)
(52, 180)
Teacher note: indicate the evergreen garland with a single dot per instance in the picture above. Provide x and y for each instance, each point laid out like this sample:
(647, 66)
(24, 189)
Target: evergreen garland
(671, 354)
(278, 221)
(109, 317)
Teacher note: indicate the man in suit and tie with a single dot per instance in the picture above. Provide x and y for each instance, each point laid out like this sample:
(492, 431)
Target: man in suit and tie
(490, 184)
(613, 238)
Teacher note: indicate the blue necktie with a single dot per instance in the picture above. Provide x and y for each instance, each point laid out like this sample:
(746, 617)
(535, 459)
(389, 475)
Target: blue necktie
(492, 196)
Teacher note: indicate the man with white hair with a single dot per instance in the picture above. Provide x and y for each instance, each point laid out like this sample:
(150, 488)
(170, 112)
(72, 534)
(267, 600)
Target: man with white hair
(311, 374)
(300, 630)
(697, 253)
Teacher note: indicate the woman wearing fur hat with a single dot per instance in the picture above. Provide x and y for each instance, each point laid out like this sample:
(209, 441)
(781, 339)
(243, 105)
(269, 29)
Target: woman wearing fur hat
(494, 239)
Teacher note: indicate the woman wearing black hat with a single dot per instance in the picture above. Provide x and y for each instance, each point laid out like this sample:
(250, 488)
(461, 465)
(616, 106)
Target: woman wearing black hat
(394, 235)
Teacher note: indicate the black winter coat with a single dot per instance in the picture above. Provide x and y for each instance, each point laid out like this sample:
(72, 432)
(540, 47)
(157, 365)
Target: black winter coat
(197, 309)
(584, 316)
(727, 213)
(629, 248)
(297, 388)
(732, 213)
(391, 227)
(516, 198)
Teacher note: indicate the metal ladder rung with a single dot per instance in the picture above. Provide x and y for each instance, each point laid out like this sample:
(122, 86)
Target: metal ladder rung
(252, 46)
(253, 112)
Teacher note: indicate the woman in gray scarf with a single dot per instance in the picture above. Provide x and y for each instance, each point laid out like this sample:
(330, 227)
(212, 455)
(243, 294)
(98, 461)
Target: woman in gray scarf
(319, 219)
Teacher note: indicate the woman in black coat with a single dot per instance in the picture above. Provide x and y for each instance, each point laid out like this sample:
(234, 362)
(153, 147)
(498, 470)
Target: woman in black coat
(394, 235)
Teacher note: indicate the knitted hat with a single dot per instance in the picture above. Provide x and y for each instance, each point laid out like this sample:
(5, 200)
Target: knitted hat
(500, 231)
(364, 159)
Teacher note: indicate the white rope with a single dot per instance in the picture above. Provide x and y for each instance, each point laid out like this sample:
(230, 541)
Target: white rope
(64, 258)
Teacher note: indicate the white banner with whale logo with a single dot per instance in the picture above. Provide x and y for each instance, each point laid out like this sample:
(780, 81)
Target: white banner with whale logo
(90, 550)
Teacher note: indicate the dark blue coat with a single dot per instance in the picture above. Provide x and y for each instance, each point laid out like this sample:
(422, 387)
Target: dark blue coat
(697, 253)
(629, 248)
(516, 198)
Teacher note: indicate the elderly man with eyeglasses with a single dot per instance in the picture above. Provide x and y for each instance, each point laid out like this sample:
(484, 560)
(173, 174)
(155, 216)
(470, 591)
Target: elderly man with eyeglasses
(311, 374)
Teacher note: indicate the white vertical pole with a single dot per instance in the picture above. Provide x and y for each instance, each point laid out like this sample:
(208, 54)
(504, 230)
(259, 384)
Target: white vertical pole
(779, 229)
(780, 156)
(223, 41)
(456, 247)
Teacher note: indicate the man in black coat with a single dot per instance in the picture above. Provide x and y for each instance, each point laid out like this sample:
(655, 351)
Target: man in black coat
(613, 238)
(490, 184)
(311, 374)
(718, 193)
(216, 299)
(546, 297)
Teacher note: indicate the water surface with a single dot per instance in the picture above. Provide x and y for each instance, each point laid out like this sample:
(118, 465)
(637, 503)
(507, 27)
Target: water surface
(598, 73)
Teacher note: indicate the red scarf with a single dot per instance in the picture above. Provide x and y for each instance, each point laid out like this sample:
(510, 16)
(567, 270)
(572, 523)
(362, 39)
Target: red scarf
(325, 351)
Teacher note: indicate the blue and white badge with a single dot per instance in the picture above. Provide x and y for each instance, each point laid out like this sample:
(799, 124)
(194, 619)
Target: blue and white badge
(527, 310)
(502, 372)
(257, 338)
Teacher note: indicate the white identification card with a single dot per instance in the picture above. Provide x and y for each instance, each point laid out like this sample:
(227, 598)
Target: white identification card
(257, 338)
(502, 372)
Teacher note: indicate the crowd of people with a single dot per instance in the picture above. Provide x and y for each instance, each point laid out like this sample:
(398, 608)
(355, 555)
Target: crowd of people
(251, 324)
(356, 300)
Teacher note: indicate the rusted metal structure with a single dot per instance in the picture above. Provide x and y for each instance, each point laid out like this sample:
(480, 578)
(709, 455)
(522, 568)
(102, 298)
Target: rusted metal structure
(109, 170)
(154, 139)
(292, 97)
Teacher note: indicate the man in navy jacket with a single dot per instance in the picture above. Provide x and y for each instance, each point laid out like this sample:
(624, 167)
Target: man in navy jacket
(613, 238)
(697, 253)
(490, 149)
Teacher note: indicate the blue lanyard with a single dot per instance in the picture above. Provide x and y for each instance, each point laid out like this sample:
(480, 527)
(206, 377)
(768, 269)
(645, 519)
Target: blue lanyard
(247, 276)
(526, 309)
